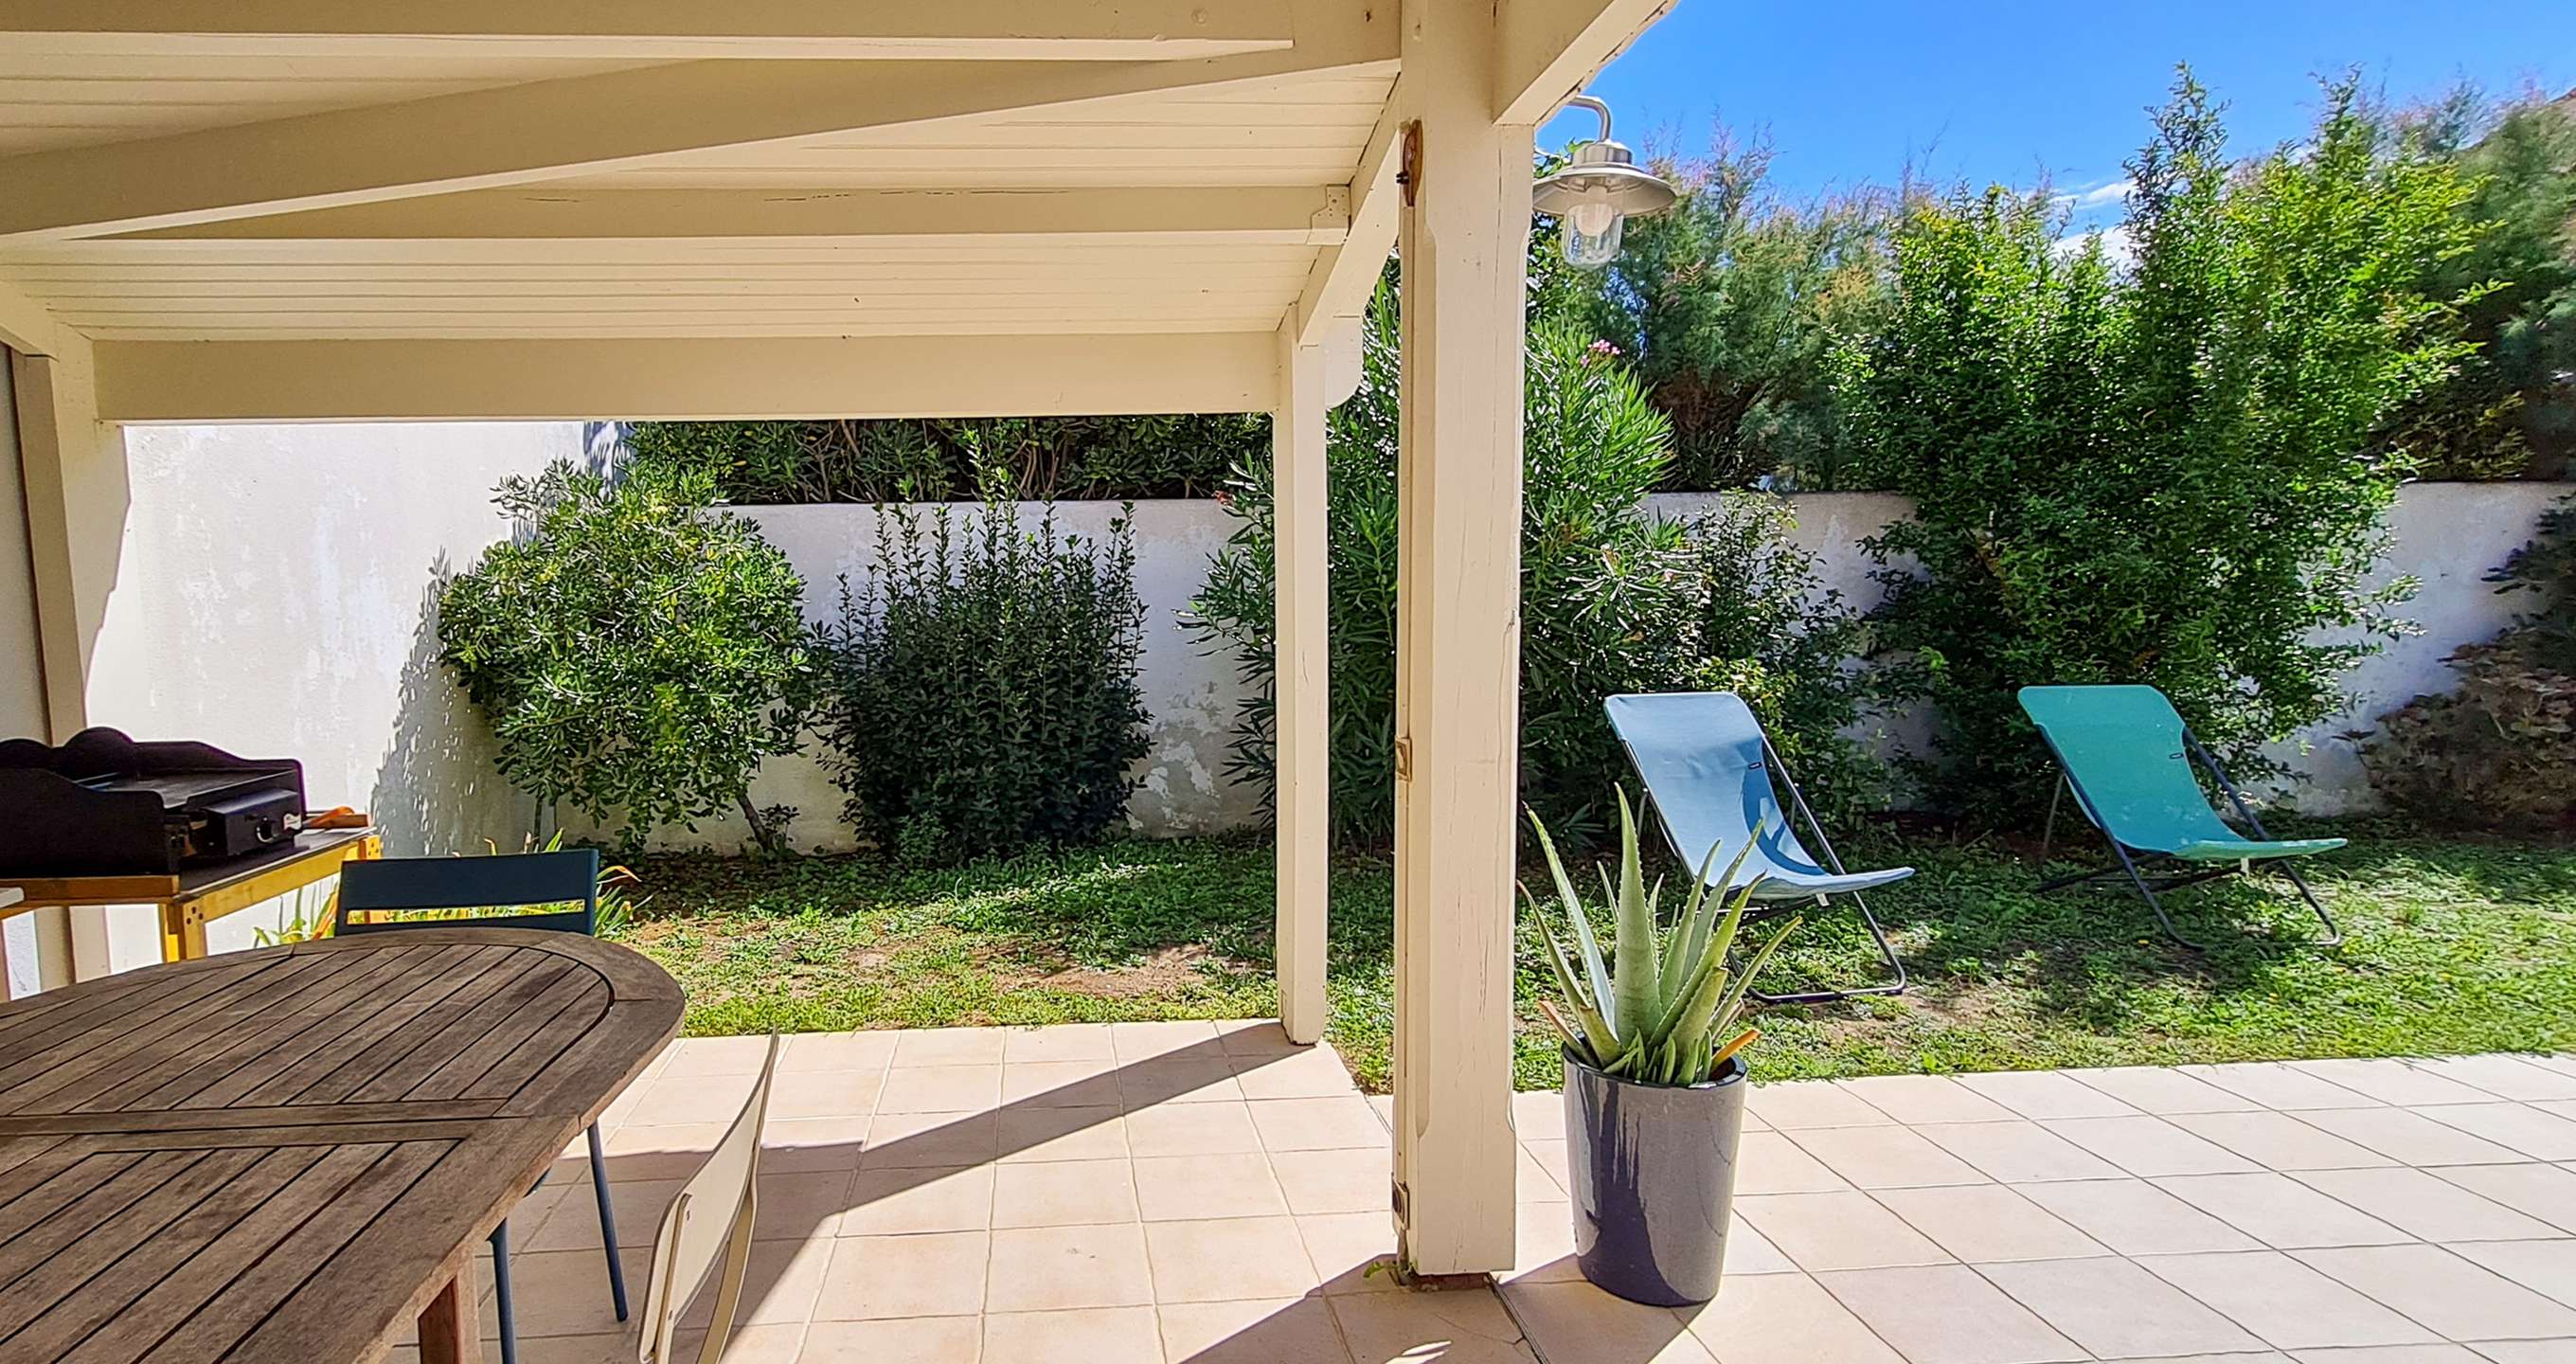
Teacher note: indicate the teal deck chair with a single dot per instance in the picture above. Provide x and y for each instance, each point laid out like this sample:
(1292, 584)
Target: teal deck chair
(2126, 756)
(1708, 767)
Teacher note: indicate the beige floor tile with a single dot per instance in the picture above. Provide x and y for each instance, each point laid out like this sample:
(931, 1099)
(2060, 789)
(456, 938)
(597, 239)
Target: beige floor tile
(1196, 1188)
(1351, 1180)
(1459, 1327)
(2445, 1292)
(1043, 1134)
(1065, 1193)
(1837, 1231)
(1539, 1115)
(1770, 1163)
(2529, 1351)
(1316, 1074)
(2276, 1085)
(2545, 1267)
(812, 1143)
(1531, 1181)
(1256, 1037)
(2547, 1192)
(704, 1056)
(1263, 1331)
(2278, 1141)
(1987, 1222)
(1947, 1314)
(1207, 1129)
(648, 1151)
(2134, 1217)
(1212, 1261)
(1060, 1084)
(1749, 1252)
(2424, 1206)
(1045, 1269)
(1543, 1244)
(2281, 1212)
(2527, 1078)
(1551, 1157)
(2149, 1146)
(1352, 1250)
(638, 1204)
(2379, 1354)
(1132, 1042)
(2287, 1304)
(1060, 1042)
(1917, 1099)
(940, 1275)
(2017, 1152)
(1810, 1103)
(2039, 1094)
(1316, 1124)
(2162, 1089)
(920, 1340)
(2516, 1127)
(2392, 1081)
(811, 1051)
(2117, 1310)
(913, 1140)
(1176, 1080)
(825, 1094)
(1784, 1319)
(941, 1089)
(906, 1201)
(563, 1292)
(689, 1100)
(947, 1047)
(1884, 1157)
(1576, 1323)
(2410, 1138)
(781, 1285)
(1108, 1335)
(792, 1206)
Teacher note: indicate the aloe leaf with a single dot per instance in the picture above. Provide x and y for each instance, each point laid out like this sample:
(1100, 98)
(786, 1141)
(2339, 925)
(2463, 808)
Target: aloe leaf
(1597, 1038)
(1633, 979)
(1691, 1034)
(1734, 1001)
(1590, 946)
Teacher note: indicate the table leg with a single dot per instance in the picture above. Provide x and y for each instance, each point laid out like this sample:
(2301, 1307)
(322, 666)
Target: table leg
(449, 1333)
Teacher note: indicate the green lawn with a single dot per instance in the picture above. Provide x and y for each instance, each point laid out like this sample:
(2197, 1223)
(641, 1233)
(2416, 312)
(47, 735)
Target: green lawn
(2454, 946)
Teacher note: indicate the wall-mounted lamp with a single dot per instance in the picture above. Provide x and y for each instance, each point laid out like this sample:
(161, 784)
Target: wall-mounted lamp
(1600, 188)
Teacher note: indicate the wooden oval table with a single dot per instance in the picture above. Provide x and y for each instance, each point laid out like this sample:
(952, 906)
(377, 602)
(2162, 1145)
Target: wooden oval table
(286, 1156)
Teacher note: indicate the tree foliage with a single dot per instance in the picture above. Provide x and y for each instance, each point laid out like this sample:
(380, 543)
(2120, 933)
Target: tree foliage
(638, 652)
(2161, 477)
(939, 460)
(982, 692)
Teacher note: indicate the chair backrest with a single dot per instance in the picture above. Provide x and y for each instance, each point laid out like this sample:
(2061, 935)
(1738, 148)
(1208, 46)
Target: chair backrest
(547, 878)
(2124, 755)
(1702, 758)
(709, 1220)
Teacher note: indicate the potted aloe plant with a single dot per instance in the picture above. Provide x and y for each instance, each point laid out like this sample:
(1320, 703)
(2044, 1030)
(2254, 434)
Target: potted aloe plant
(1654, 1075)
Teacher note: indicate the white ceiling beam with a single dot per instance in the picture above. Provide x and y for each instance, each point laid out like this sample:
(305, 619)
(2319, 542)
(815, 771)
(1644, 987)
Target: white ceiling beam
(521, 134)
(648, 30)
(1546, 50)
(1338, 287)
(1125, 216)
(29, 327)
(719, 378)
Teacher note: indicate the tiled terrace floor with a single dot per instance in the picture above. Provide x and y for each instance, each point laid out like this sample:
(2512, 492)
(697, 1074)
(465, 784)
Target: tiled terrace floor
(1206, 1193)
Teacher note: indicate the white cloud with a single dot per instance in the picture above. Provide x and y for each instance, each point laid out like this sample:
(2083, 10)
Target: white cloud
(2118, 249)
(2098, 196)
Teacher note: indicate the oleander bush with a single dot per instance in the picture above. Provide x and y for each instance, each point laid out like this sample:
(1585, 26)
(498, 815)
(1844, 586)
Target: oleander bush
(942, 460)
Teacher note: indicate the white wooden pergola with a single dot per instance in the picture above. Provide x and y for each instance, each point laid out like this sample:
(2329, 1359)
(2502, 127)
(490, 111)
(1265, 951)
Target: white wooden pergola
(314, 210)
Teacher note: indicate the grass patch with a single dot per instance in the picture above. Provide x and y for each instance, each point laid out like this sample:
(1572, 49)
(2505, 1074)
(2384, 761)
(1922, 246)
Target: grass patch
(2452, 946)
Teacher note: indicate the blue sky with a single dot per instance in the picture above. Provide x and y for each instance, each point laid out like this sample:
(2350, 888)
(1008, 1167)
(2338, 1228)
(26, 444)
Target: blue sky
(1993, 91)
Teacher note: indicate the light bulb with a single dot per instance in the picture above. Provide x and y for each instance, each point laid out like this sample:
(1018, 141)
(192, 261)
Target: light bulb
(1590, 250)
(1593, 217)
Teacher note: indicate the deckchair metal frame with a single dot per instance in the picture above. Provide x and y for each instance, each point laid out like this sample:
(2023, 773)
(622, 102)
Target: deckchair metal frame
(2148, 886)
(1877, 934)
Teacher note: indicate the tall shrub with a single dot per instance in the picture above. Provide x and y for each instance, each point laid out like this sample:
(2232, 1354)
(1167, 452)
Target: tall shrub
(981, 692)
(944, 459)
(1612, 598)
(637, 651)
(2164, 476)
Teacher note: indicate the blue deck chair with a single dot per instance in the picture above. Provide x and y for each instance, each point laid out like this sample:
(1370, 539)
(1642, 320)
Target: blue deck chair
(1709, 767)
(2126, 755)
(490, 883)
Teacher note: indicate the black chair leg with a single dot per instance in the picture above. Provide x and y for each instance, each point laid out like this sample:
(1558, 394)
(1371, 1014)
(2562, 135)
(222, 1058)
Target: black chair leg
(2334, 932)
(501, 1292)
(1886, 953)
(607, 1224)
(2152, 903)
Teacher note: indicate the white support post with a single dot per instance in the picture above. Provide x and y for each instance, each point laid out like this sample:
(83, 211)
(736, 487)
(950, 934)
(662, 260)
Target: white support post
(1300, 673)
(1465, 229)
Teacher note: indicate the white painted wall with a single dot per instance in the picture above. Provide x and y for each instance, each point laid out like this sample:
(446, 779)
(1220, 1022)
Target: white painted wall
(22, 679)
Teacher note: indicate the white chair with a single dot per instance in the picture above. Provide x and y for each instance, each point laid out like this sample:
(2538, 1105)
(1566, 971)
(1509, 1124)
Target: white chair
(710, 1217)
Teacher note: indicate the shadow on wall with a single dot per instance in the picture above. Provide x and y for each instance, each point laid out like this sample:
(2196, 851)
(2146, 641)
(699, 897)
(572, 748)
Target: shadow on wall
(440, 788)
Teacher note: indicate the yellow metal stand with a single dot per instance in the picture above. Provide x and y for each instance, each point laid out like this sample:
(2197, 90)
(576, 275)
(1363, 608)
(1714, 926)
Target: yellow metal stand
(191, 900)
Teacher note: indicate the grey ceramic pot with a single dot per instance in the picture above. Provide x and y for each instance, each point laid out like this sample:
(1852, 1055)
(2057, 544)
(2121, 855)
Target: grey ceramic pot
(1653, 1169)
